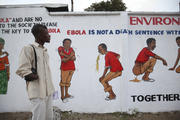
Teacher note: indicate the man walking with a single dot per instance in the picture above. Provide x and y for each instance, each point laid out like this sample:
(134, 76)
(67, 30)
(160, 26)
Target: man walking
(40, 87)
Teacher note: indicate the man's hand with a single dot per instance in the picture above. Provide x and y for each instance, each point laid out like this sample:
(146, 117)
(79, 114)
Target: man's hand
(73, 58)
(160, 58)
(7, 54)
(32, 76)
(172, 68)
(35, 76)
(101, 78)
(63, 54)
(72, 54)
(118, 57)
(8, 77)
(164, 62)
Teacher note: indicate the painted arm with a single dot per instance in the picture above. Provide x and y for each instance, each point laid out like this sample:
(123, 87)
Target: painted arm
(63, 54)
(177, 60)
(105, 71)
(73, 57)
(8, 73)
(70, 57)
(7, 54)
(160, 58)
(118, 56)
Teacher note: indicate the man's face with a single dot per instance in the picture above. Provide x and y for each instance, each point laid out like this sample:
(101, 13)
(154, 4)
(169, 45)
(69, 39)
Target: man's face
(178, 42)
(101, 50)
(152, 45)
(67, 44)
(44, 36)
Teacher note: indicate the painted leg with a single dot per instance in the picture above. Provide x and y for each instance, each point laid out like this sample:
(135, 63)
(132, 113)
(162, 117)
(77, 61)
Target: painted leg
(62, 93)
(146, 76)
(178, 69)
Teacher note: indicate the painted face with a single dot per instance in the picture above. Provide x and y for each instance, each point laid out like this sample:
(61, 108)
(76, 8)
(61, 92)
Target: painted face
(100, 50)
(1, 46)
(44, 36)
(152, 45)
(67, 44)
(178, 42)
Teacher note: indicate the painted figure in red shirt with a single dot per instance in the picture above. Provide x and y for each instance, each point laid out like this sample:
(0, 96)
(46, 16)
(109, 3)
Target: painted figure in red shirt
(178, 57)
(111, 62)
(4, 68)
(67, 55)
(146, 60)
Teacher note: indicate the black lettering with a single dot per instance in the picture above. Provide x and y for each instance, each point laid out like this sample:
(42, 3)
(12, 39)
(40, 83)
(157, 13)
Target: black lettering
(133, 97)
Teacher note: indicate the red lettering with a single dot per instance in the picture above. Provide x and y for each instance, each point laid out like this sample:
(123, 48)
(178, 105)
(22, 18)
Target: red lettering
(53, 30)
(58, 30)
(3, 20)
(176, 21)
(76, 32)
(133, 21)
(158, 21)
(140, 21)
(147, 22)
(165, 21)
(154, 20)
(83, 32)
(68, 32)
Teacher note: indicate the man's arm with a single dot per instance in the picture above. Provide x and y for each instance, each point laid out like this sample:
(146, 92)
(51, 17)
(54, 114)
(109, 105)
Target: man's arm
(160, 58)
(7, 66)
(8, 73)
(5, 52)
(25, 65)
(177, 60)
(151, 54)
(118, 56)
(69, 57)
(73, 57)
(105, 71)
(63, 54)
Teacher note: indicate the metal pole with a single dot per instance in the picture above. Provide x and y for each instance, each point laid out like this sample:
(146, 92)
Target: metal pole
(72, 6)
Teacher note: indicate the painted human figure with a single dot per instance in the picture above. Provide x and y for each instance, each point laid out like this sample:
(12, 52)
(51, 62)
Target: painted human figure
(146, 60)
(178, 57)
(4, 68)
(67, 55)
(111, 62)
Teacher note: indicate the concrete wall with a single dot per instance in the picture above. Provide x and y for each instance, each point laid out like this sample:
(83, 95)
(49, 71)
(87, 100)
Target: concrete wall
(95, 28)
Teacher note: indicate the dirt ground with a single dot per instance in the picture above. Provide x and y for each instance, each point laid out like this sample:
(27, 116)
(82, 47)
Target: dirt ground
(121, 116)
(95, 116)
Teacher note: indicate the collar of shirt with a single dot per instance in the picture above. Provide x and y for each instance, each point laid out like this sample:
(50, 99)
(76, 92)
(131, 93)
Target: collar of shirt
(40, 46)
(67, 50)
